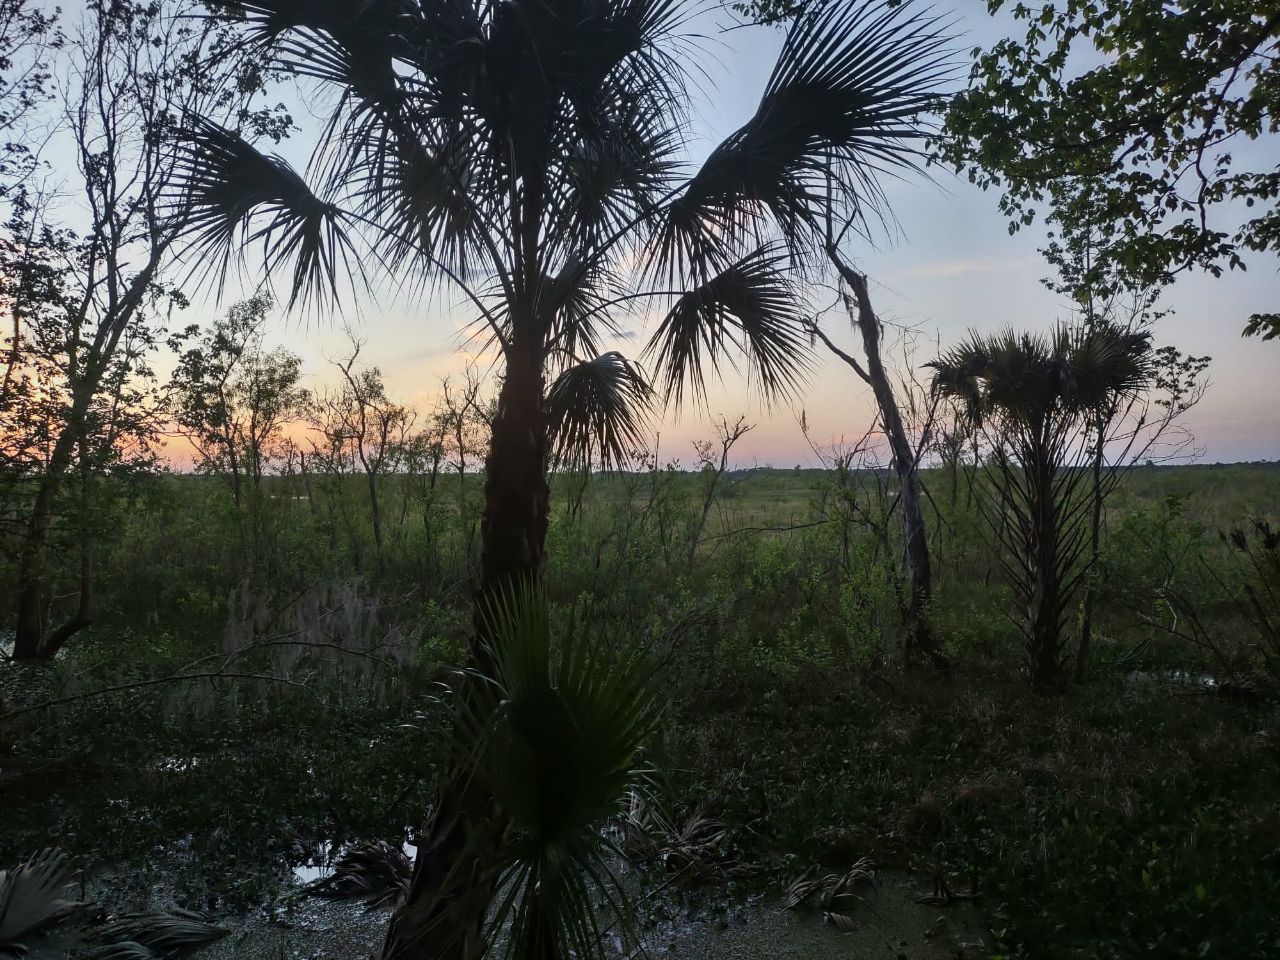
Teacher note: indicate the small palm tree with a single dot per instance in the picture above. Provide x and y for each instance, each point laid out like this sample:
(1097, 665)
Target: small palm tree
(556, 737)
(531, 156)
(1034, 398)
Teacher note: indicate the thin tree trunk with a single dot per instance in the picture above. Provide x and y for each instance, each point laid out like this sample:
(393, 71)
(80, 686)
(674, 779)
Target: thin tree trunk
(375, 514)
(1095, 548)
(451, 889)
(915, 561)
(83, 617)
(29, 635)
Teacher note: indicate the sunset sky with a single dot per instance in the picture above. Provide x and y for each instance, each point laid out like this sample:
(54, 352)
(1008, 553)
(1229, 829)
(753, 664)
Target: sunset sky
(950, 266)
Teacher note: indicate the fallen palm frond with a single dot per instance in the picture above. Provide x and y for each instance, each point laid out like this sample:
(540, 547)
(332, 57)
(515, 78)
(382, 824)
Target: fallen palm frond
(377, 873)
(141, 936)
(31, 898)
(832, 893)
(697, 848)
(125, 950)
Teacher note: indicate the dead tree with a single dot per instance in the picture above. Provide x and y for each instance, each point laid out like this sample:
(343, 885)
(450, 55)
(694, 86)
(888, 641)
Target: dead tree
(915, 563)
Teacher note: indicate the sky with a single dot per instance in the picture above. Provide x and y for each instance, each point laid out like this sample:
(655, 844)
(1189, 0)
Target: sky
(948, 267)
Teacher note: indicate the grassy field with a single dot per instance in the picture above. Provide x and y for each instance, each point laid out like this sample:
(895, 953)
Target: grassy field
(1135, 815)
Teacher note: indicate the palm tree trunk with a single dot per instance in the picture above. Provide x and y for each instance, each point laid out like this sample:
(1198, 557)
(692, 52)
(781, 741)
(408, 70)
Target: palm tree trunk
(516, 493)
(1044, 613)
(443, 915)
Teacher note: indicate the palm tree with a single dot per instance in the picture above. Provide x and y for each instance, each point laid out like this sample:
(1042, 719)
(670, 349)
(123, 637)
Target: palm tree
(1035, 398)
(530, 155)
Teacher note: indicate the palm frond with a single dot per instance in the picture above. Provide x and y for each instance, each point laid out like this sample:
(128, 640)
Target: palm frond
(751, 305)
(377, 873)
(1108, 362)
(225, 185)
(31, 896)
(1029, 376)
(558, 746)
(957, 377)
(612, 168)
(165, 934)
(599, 412)
(832, 892)
(844, 106)
(125, 950)
(419, 197)
(266, 21)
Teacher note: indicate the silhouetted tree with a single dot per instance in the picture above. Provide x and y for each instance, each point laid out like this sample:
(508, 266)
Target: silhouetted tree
(1035, 398)
(528, 153)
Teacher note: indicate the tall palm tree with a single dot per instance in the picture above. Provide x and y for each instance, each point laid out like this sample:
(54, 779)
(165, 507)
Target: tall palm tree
(531, 155)
(1035, 398)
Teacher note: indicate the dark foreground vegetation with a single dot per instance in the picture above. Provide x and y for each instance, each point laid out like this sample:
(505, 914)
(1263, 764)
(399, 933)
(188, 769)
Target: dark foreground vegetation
(1134, 815)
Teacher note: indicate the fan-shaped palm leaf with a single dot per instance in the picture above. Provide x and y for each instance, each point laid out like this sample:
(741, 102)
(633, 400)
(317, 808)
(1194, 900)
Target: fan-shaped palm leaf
(557, 740)
(269, 19)
(225, 184)
(125, 950)
(31, 897)
(751, 304)
(598, 410)
(1108, 362)
(843, 106)
(1029, 376)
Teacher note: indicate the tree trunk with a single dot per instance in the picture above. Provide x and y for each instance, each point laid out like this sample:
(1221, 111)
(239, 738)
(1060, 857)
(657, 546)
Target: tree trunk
(1044, 614)
(1095, 548)
(915, 546)
(443, 916)
(29, 642)
(375, 514)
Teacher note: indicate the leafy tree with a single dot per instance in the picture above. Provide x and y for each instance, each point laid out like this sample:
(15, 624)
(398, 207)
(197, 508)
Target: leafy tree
(232, 398)
(529, 154)
(363, 428)
(772, 11)
(113, 438)
(29, 40)
(85, 300)
(1133, 107)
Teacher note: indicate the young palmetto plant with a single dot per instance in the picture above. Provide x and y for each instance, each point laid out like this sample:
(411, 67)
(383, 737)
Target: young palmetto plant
(33, 897)
(530, 155)
(555, 734)
(1033, 398)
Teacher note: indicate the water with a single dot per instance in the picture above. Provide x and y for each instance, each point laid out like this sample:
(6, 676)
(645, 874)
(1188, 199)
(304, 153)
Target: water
(321, 865)
(888, 925)
(708, 923)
